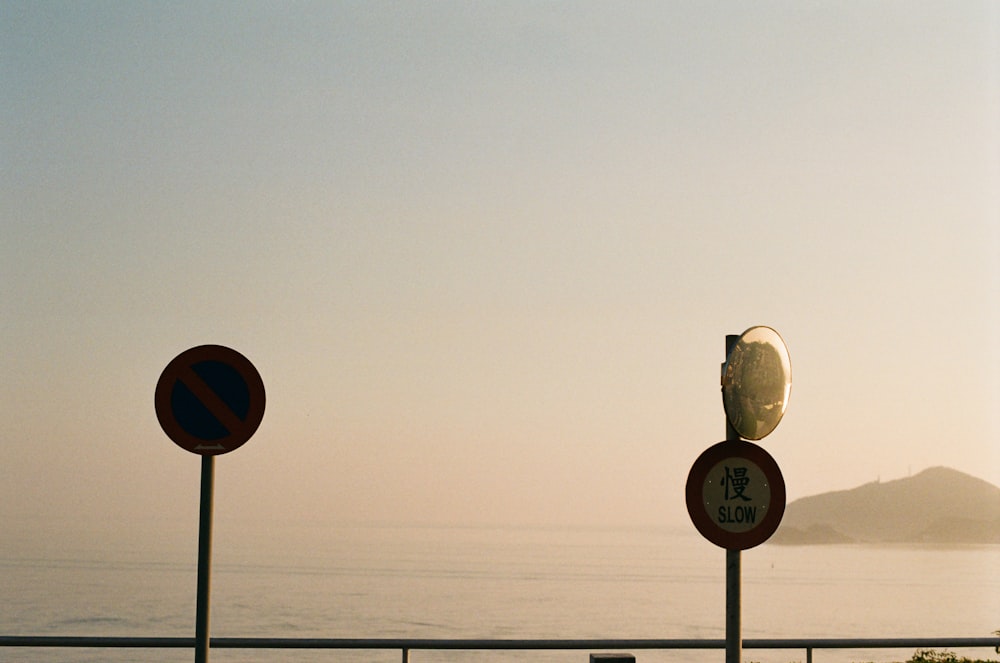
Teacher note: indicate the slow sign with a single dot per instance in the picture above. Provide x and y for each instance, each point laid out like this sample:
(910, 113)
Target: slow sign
(735, 495)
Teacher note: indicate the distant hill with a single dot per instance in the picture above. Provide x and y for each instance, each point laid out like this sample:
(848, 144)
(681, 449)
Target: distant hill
(938, 505)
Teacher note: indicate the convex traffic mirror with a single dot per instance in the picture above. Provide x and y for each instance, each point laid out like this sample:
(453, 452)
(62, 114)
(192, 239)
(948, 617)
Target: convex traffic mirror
(756, 381)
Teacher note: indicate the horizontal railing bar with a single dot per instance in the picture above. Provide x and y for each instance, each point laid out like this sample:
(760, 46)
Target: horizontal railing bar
(465, 644)
(490, 644)
(93, 641)
(871, 643)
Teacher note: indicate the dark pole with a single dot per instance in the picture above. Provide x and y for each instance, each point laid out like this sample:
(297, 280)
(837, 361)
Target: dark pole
(204, 559)
(734, 639)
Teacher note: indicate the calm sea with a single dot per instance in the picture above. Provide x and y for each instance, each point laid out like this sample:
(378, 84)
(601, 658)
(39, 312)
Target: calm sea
(302, 580)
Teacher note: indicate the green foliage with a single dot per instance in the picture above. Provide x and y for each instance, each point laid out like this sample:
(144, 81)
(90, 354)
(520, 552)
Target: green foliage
(934, 656)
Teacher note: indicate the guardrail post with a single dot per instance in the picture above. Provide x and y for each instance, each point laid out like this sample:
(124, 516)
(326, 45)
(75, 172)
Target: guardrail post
(809, 655)
(406, 655)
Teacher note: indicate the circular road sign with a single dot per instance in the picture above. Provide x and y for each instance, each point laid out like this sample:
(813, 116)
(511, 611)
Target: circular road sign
(209, 400)
(735, 495)
(756, 381)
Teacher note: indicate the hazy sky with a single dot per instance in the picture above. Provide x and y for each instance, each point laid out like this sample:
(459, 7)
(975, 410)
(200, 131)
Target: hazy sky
(485, 255)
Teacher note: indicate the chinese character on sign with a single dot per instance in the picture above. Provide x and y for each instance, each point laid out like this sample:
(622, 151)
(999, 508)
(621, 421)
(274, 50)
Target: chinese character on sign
(735, 482)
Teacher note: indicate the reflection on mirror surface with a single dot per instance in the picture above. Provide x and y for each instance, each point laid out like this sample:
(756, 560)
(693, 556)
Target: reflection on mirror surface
(756, 381)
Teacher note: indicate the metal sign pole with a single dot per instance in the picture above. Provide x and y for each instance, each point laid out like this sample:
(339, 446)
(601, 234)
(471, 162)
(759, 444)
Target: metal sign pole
(201, 638)
(734, 644)
(734, 639)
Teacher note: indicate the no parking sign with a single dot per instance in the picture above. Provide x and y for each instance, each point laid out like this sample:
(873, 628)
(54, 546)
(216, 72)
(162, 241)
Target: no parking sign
(210, 400)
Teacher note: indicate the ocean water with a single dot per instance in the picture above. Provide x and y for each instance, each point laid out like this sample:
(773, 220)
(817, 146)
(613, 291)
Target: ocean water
(311, 580)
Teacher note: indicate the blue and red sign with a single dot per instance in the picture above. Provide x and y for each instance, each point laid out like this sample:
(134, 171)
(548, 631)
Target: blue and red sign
(210, 400)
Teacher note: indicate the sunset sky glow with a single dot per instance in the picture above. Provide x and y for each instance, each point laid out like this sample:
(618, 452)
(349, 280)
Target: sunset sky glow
(485, 255)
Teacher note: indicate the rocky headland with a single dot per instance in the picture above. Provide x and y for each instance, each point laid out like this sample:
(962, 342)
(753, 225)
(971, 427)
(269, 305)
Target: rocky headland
(937, 506)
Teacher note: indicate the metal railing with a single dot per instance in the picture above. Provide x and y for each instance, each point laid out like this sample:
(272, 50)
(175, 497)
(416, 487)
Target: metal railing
(406, 645)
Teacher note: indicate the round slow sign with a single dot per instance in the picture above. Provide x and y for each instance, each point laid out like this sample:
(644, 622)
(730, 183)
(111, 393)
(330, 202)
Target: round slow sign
(209, 400)
(735, 495)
